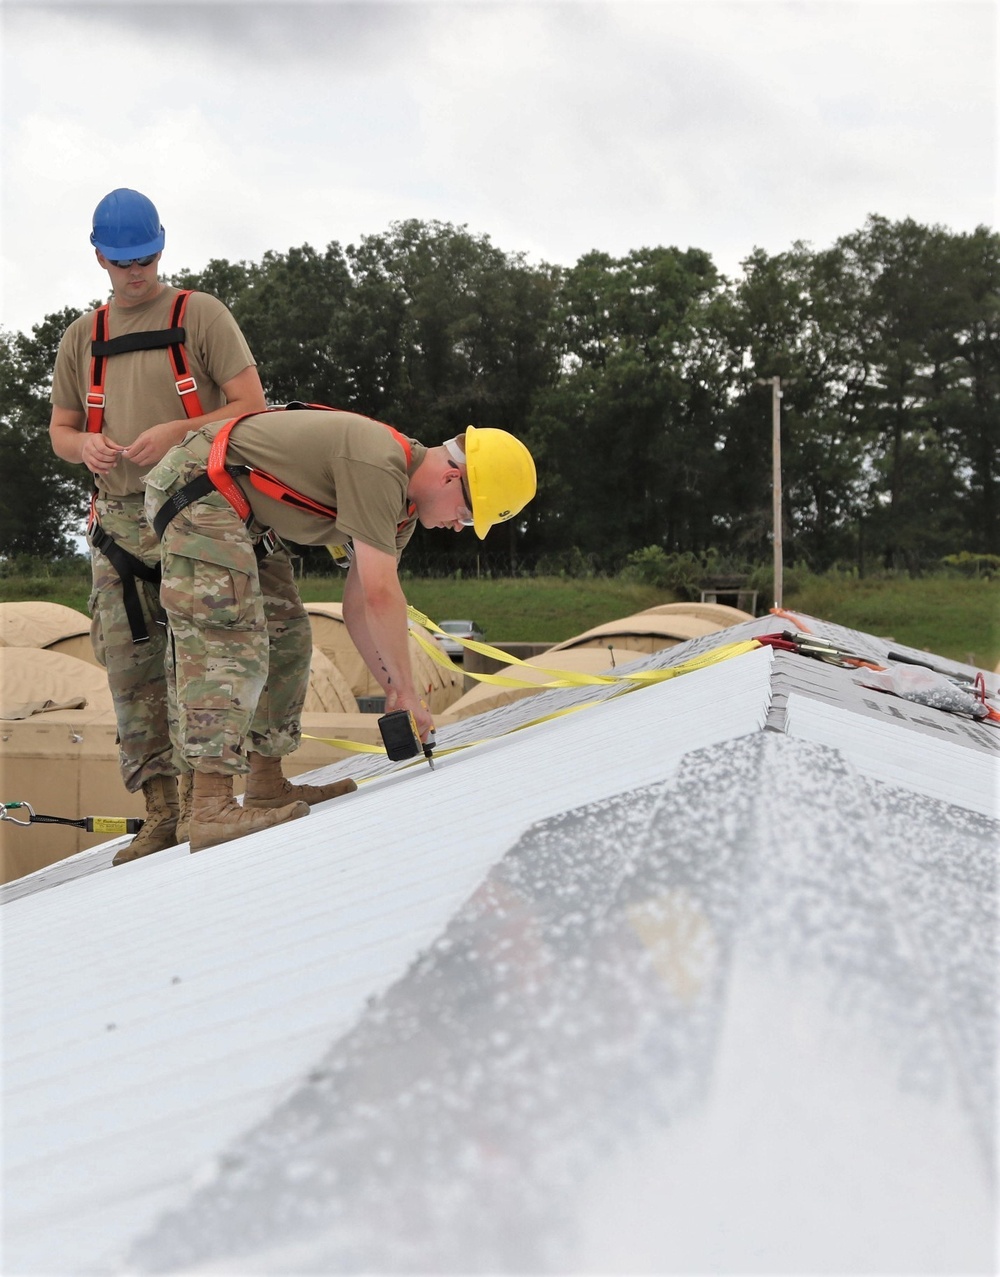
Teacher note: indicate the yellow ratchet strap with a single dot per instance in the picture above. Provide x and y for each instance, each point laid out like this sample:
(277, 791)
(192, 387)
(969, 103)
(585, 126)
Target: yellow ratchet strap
(627, 682)
(564, 678)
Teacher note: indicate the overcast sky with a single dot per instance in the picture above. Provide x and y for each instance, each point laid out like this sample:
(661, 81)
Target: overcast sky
(553, 128)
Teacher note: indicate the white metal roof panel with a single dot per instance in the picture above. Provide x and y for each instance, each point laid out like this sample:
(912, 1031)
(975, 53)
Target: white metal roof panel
(671, 945)
(639, 1047)
(939, 761)
(167, 1003)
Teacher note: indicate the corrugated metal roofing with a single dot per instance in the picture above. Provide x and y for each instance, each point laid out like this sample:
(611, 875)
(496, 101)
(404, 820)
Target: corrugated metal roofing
(702, 976)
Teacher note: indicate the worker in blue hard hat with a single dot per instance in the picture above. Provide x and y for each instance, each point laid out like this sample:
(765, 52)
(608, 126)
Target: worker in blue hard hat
(126, 226)
(132, 378)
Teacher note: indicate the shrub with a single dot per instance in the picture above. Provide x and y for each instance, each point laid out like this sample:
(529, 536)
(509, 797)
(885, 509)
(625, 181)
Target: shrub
(973, 565)
(652, 565)
(572, 563)
(27, 565)
(761, 579)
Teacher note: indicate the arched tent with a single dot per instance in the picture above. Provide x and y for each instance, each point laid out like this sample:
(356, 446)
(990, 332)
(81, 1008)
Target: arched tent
(49, 625)
(544, 669)
(64, 761)
(32, 676)
(441, 686)
(329, 692)
(642, 632)
(78, 646)
(720, 612)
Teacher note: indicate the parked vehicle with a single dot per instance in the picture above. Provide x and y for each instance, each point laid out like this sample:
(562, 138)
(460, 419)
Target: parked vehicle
(454, 630)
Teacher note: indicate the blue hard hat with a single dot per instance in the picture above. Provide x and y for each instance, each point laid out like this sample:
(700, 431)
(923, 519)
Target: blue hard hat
(126, 224)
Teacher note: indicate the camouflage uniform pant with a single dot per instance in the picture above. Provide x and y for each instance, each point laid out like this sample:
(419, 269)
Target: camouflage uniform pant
(136, 671)
(240, 639)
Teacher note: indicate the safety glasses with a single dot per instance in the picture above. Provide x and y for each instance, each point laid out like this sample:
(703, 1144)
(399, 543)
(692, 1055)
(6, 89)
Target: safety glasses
(134, 261)
(469, 522)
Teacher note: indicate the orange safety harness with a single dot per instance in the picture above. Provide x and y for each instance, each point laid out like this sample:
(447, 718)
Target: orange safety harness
(102, 348)
(220, 477)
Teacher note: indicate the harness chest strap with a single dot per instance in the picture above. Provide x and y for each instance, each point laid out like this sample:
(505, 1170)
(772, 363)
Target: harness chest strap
(172, 339)
(223, 478)
(221, 475)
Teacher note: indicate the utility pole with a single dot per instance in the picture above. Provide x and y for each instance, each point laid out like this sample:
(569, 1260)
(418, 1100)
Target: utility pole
(776, 394)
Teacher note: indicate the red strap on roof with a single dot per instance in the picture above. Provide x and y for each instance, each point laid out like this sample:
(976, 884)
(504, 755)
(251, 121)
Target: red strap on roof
(783, 642)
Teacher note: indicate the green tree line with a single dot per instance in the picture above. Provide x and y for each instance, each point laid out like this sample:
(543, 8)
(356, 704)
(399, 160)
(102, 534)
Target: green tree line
(635, 380)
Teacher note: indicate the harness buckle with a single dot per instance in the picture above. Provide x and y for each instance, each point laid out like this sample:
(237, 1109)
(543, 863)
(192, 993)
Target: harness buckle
(267, 542)
(186, 386)
(95, 399)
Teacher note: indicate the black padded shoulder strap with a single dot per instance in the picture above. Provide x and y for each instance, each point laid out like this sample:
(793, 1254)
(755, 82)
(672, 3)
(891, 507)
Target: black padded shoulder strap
(157, 340)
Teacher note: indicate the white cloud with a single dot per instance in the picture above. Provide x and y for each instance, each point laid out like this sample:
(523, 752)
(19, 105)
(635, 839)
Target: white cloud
(552, 127)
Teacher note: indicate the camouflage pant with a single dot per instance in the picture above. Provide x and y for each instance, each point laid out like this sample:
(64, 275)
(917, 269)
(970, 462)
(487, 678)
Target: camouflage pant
(240, 639)
(136, 671)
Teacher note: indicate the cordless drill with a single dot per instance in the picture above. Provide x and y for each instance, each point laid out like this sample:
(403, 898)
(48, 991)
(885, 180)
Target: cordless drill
(401, 738)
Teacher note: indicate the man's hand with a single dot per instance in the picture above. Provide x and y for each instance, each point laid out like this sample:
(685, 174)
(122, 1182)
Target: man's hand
(417, 707)
(154, 444)
(99, 454)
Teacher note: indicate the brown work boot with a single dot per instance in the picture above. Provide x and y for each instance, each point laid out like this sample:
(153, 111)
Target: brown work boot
(267, 787)
(185, 797)
(217, 817)
(160, 828)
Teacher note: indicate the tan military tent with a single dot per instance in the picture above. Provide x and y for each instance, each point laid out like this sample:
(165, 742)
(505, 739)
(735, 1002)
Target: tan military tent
(329, 692)
(642, 632)
(440, 685)
(36, 680)
(49, 625)
(64, 761)
(33, 676)
(544, 669)
(721, 612)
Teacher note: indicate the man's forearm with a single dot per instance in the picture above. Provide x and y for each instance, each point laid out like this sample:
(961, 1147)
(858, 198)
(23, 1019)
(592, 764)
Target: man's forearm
(67, 443)
(376, 622)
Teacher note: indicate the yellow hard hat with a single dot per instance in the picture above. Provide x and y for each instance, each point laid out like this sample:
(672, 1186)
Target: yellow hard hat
(501, 476)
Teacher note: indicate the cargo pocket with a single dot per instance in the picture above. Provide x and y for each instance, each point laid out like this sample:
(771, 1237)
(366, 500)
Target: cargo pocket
(210, 579)
(96, 629)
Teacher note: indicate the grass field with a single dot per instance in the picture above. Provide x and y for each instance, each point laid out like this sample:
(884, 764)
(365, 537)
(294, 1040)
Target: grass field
(952, 616)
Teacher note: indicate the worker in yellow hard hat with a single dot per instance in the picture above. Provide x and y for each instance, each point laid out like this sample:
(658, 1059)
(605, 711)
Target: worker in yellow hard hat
(499, 475)
(223, 498)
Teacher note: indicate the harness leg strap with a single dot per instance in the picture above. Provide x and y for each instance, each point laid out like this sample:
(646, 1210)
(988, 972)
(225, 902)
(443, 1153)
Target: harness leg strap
(128, 568)
(200, 486)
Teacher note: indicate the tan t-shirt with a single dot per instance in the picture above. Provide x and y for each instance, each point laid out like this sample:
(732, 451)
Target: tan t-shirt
(139, 385)
(351, 463)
